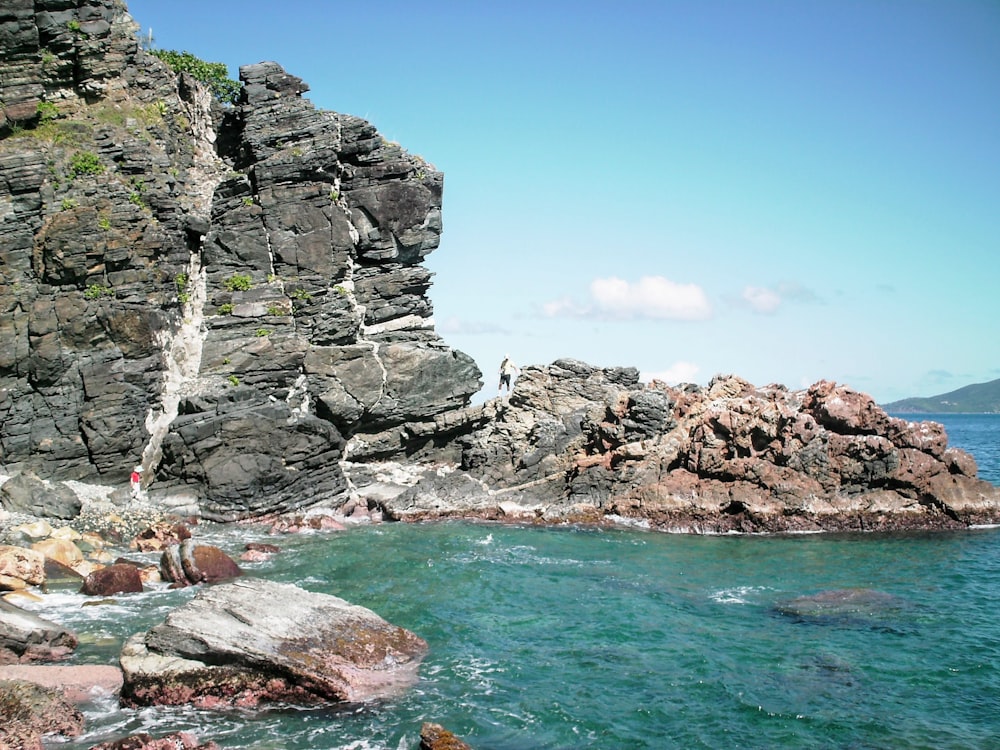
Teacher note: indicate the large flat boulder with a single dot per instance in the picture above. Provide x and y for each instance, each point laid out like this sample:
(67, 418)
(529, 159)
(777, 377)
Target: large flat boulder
(253, 641)
(24, 636)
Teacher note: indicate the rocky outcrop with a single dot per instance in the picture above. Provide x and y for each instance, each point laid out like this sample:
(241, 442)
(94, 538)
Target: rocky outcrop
(234, 298)
(583, 443)
(254, 641)
(224, 295)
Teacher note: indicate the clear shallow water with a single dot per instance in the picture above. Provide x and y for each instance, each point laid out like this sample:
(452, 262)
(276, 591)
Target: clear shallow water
(577, 638)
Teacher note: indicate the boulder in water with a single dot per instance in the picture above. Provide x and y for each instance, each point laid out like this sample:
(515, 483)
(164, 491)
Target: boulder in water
(120, 578)
(24, 636)
(253, 641)
(187, 564)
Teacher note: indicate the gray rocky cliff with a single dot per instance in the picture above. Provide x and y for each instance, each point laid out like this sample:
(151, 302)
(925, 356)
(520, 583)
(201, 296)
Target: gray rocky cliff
(225, 295)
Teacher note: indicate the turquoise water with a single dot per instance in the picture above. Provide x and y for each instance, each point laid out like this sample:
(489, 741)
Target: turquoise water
(578, 638)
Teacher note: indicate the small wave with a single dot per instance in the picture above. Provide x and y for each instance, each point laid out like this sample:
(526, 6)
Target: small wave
(487, 540)
(630, 523)
(736, 595)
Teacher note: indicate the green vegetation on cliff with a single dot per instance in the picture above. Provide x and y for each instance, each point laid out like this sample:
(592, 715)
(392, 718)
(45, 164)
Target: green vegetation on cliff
(976, 398)
(213, 75)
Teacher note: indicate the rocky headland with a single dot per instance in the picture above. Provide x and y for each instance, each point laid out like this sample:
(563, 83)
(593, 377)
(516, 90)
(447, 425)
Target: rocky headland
(232, 298)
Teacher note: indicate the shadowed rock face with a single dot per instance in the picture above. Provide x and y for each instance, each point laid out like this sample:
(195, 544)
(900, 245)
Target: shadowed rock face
(581, 442)
(221, 294)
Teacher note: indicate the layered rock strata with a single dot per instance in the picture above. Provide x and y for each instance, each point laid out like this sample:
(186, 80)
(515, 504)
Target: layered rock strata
(223, 295)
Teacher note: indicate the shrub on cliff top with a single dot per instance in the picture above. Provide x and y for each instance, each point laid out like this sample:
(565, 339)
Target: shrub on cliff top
(213, 75)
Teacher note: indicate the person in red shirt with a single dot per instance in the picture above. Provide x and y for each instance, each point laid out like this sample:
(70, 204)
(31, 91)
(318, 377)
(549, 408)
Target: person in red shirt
(136, 481)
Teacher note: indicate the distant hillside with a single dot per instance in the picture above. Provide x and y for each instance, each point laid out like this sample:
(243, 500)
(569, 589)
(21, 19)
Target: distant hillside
(976, 398)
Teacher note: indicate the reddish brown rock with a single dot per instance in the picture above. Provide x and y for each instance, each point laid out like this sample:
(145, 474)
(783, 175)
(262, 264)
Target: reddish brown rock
(29, 711)
(727, 457)
(120, 578)
(258, 552)
(214, 565)
(185, 564)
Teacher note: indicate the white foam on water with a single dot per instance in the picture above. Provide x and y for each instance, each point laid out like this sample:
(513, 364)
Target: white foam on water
(736, 595)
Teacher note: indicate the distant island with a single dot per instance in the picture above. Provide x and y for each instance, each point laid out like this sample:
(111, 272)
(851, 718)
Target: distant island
(980, 398)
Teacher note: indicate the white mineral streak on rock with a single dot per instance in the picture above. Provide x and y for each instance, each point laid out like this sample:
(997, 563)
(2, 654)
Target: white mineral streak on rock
(182, 346)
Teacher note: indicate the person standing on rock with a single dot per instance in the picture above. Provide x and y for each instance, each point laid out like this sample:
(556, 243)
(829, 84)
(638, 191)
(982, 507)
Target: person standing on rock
(507, 369)
(136, 482)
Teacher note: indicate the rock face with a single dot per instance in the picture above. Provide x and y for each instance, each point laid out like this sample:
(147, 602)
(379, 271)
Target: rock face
(26, 493)
(221, 294)
(254, 641)
(584, 443)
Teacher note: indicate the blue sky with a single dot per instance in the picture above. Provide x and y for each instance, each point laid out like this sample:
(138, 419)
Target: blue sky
(789, 191)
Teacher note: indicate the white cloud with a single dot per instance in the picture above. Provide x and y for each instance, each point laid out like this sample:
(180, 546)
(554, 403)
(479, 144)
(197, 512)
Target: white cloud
(564, 307)
(760, 299)
(679, 372)
(651, 297)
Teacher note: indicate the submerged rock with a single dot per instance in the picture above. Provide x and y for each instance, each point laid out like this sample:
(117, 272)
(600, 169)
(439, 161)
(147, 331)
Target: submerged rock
(855, 606)
(253, 641)
(436, 737)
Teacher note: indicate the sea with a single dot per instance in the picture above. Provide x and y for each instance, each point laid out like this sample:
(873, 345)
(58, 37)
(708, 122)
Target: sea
(575, 637)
